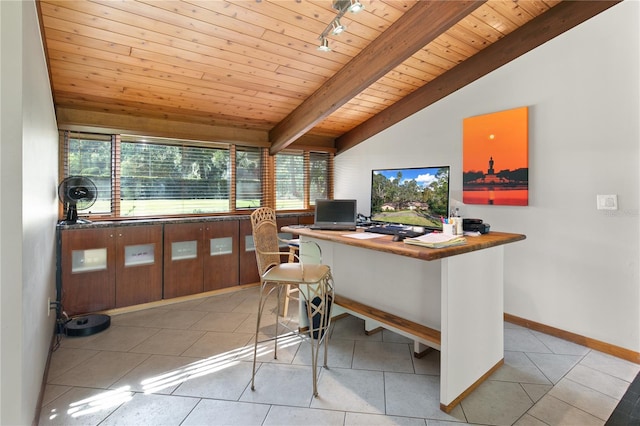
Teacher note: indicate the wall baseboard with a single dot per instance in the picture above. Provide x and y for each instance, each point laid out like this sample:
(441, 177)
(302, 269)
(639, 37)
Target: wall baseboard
(604, 347)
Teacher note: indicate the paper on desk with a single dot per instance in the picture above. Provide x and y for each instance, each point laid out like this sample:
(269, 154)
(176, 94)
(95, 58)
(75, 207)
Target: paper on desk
(363, 235)
(436, 240)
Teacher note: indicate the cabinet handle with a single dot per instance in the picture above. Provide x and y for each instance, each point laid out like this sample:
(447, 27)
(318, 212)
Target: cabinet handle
(119, 235)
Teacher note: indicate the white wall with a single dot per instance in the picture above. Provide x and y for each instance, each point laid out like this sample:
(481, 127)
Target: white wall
(28, 212)
(578, 268)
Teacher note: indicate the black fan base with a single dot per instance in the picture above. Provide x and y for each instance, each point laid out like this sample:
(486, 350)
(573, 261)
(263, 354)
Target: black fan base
(87, 325)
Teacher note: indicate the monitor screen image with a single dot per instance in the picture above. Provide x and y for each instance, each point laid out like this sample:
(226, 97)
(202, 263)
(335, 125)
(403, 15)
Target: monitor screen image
(416, 196)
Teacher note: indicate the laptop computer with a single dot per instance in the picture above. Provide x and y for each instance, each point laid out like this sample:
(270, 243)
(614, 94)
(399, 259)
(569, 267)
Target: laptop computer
(335, 215)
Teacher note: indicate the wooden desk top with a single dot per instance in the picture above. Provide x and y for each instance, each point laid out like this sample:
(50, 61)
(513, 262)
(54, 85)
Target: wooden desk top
(385, 244)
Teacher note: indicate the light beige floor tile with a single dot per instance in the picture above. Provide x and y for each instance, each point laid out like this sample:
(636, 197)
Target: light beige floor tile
(340, 354)
(288, 347)
(169, 342)
(536, 392)
(231, 413)
(352, 328)
(83, 406)
(217, 379)
(179, 319)
(528, 420)
(220, 304)
(220, 321)
(142, 318)
(250, 305)
(522, 340)
(519, 368)
(429, 363)
(554, 367)
(216, 344)
(361, 419)
(51, 392)
(415, 395)
(292, 416)
(554, 412)
(584, 398)
(158, 374)
(115, 338)
(480, 406)
(64, 359)
(187, 305)
(597, 380)
(351, 390)
(390, 336)
(129, 356)
(152, 410)
(101, 370)
(281, 385)
(611, 365)
(559, 346)
(383, 356)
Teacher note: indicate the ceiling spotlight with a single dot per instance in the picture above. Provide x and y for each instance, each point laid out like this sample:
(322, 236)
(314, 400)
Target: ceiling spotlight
(355, 6)
(337, 27)
(324, 45)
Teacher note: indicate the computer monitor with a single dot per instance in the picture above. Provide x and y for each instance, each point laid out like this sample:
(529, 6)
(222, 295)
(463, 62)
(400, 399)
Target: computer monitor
(416, 196)
(335, 215)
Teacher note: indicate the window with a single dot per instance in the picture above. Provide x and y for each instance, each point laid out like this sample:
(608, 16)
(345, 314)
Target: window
(153, 177)
(300, 175)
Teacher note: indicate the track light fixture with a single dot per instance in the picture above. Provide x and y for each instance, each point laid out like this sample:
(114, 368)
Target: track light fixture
(335, 28)
(324, 45)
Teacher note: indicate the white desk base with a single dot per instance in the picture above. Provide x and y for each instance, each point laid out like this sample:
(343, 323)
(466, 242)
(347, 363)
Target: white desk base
(461, 295)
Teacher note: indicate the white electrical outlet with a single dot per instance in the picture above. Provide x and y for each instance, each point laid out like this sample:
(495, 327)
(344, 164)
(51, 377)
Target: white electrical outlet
(607, 202)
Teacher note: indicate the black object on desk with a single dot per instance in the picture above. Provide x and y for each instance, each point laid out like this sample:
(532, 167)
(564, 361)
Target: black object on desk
(399, 230)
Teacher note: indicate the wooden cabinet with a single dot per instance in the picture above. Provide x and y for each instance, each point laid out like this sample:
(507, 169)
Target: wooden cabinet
(123, 265)
(183, 267)
(106, 268)
(221, 262)
(88, 270)
(138, 264)
(199, 257)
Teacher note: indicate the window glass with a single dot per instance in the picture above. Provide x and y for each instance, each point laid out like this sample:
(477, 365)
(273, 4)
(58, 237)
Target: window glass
(92, 159)
(158, 179)
(318, 176)
(248, 178)
(289, 181)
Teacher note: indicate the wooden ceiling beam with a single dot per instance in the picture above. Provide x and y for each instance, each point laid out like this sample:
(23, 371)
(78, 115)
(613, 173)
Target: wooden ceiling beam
(424, 22)
(545, 27)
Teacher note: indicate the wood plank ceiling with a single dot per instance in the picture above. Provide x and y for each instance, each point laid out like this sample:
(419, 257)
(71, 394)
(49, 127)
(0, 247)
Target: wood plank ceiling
(249, 71)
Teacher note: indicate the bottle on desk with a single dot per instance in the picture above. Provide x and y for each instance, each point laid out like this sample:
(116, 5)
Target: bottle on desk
(457, 221)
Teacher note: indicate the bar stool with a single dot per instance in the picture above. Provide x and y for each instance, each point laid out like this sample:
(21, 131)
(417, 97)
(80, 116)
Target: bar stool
(314, 283)
(291, 291)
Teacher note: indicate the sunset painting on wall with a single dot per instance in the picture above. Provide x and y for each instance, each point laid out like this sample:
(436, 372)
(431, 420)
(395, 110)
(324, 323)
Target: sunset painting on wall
(495, 161)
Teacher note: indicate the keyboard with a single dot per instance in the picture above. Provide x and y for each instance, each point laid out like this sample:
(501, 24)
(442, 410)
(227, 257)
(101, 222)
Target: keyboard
(405, 231)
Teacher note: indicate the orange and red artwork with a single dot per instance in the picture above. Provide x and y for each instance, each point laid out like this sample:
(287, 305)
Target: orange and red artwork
(495, 158)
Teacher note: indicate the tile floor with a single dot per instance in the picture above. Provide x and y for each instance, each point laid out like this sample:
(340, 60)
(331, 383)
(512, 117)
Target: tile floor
(189, 363)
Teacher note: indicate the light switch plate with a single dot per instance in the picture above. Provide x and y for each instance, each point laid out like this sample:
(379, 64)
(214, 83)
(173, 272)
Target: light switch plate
(607, 202)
